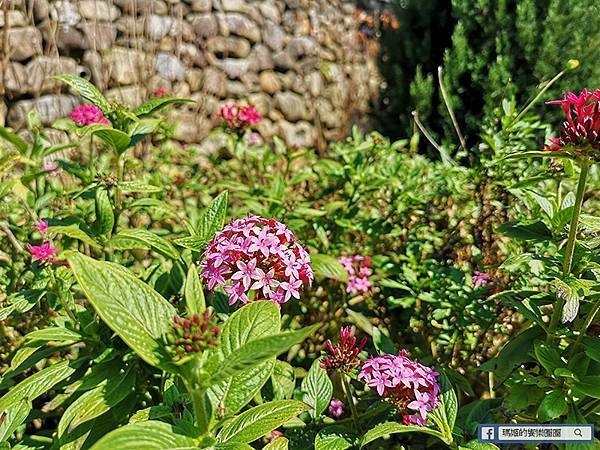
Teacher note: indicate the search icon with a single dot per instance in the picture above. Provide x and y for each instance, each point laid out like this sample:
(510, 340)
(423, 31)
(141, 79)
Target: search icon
(577, 432)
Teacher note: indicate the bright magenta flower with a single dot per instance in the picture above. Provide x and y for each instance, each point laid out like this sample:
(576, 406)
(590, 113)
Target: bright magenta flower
(410, 386)
(581, 131)
(88, 115)
(41, 226)
(44, 252)
(239, 117)
(257, 255)
(343, 355)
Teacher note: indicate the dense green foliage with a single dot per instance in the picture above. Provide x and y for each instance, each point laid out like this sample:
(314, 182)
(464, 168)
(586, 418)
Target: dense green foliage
(90, 350)
(493, 50)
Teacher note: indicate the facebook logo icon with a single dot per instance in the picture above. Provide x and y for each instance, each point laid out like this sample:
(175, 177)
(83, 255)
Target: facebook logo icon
(487, 433)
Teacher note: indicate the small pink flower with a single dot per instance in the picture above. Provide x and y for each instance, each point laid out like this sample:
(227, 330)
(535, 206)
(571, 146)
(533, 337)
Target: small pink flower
(239, 118)
(44, 252)
(41, 226)
(274, 435)
(88, 115)
(336, 408)
(160, 92)
(253, 139)
(52, 167)
(480, 279)
(358, 269)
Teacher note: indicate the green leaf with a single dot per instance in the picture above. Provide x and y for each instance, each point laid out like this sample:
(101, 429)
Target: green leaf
(253, 321)
(592, 347)
(115, 139)
(97, 401)
(476, 445)
(74, 232)
(526, 231)
(138, 186)
(283, 380)
(334, 438)
(153, 412)
(195, 243)
(138, 238)
(259, 350)
(58, 334)
(387, 428)
(131, 308)
(538, 154)
(12, 418)
(14, 139)
(444, 415)
(150, 435)
(317, 389)
(328, 267)
(194, 295)
(260, 420)
(37, 384)
(86, 90)
(552, 406)
(213, 218)
(589, 386)
(383, 343)
(548, 357)
(105, 216)
(143, 128)
(280, 443)
(157, 104)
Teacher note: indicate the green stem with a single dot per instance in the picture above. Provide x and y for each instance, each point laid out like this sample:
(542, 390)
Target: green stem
(61, 299)
(537, 97)
(202, 409)
(588, 321)
(570, 248)
(350, 400)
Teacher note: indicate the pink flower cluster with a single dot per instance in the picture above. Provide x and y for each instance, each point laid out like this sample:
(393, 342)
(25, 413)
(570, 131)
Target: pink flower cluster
(336, 408)
(239, 117)
(581, 131)
(343, 355)
(481, 279)
(407, 384)
(52, 167)
(88, 115)
(259, 255)
(358, 269)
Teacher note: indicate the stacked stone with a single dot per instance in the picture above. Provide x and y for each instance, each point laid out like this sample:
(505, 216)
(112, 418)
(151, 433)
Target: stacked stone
(298, 61)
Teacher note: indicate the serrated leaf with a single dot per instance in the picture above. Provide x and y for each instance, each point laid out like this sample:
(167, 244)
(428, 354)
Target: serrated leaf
(96, 402)
(37, 384)
(105, 217)
(260, 420)
(253, 321)
(86, 90)
(213, 218)
(548, 357)
(131, 308)
(156, 104)
(387, 428)
(138, 238)
(552, 406)
(317, 389)
(149, 435)
(334, 438)
(328, 267)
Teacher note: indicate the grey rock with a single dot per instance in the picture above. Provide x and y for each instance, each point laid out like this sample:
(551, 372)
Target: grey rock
(262, 101)
(215, 82)
(269, 82)
(293, 106)
(64, 13)
(41, 69)
(234, 68)
(328, 115)
(201, 5)
(66, 38)
(100, 35)
(41, 10)
(3, 112)
(158, 27)
(93, 61)
(261, 58)
(15, 19)
(266, 129)
(190, 54)
(142, 6)
(314, 82)
(49, 107)
(270, 11)
(240, 25)
(15, 79)
(98, 10)
(297, 135)
(251, 82)
(190, 127)
(169, 66)
(194, 78)
(222, 47)
(204, 25)
(23, 43)
(283, 61)
(126, 65)
(236, 89)
(273, 36)
(130, 96)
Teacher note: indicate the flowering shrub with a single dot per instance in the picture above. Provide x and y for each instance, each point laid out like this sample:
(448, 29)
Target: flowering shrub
(257, 257)
(239, 118)
(358, 269)
(405, 383)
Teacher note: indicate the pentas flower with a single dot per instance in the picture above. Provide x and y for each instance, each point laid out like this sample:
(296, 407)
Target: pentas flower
(44, 252)
(358, 269)
(410, 386)
(343, 356)
(88, 115)
(41, 226)
(480, 279)
(580, 133)
(239, 118)
(192, 335)
(160, 92)
(336, 408)
(258, 256)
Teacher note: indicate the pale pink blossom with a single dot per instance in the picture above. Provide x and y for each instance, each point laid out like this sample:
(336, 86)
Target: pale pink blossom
(41, 226)
(358, 269)
(336, 408)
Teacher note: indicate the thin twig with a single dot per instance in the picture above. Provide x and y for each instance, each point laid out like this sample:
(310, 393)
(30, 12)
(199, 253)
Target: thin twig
(461, 138)
(11, 237)
(444, 154)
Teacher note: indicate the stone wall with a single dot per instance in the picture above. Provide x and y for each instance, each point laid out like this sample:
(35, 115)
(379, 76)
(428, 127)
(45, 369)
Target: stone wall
(298, 60)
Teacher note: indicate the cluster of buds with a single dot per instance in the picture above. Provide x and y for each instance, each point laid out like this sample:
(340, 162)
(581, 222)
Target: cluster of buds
(257, 255)
(192, 335)
(410, 386)
(580, 134)
(239, 118)
(343, 356)
(358, 269)
(88, 115)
